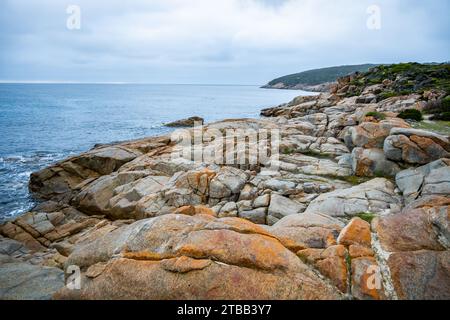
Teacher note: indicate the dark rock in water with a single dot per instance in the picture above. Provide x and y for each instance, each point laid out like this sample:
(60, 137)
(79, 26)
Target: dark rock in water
(189, 122)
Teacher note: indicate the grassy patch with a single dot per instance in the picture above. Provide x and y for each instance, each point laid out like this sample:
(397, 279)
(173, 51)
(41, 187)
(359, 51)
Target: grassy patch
(366, 216)
(318, 155)
(442, 127)
(353, 180)
(376, 115)
(387, 94)
(288, 151)
(348, 259)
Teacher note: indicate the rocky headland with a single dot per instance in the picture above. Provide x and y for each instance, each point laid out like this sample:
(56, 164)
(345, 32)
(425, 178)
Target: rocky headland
(316, 80)
(358, 208)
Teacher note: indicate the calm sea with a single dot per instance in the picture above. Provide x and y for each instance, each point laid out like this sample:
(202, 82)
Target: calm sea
(43, 123)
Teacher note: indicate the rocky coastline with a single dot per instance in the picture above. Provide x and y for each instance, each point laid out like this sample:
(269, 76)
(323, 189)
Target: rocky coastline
(323, 87)
(358, 209)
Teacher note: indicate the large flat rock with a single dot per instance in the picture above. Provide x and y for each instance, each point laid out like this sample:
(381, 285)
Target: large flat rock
(23, 281)
(375, 196)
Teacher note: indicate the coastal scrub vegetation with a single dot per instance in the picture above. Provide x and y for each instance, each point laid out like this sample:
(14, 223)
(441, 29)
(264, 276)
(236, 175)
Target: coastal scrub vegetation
(319, 76)
(439, 109)
(405, 78)
(411, 114)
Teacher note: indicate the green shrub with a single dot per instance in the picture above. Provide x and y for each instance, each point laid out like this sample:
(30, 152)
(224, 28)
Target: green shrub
(405, 92)
(375, 81)
(411, 114)
(433, 106)
(439, 109)
(401, 67)
(287, 151)
(446, 103)
(376, 115)
(386, 95)
(445, 116)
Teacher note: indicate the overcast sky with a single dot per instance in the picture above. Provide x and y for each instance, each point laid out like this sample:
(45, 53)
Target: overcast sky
(212, 41)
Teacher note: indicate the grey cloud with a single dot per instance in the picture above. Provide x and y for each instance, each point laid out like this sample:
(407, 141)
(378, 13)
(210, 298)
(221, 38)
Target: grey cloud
(203, 41)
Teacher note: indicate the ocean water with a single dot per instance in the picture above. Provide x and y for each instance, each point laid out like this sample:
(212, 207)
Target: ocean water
(44, 123)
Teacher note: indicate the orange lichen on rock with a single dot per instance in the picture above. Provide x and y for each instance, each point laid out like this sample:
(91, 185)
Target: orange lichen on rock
(145, 255)
(356, 232)
(184, 264)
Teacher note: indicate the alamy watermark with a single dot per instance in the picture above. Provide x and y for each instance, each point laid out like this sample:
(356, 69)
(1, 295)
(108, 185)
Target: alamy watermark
(73, 280)
(232, 147)
(374, 278)
(374, 19)
(73, 21)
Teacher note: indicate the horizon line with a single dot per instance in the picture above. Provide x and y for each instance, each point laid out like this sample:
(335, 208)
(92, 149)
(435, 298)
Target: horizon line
(119, 83)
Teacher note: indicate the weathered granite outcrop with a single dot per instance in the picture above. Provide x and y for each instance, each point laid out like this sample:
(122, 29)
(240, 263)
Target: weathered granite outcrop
(321, 219)
(415, 246)
(415, 146)
(24, 281)
(193, 257)
(375, 196)
(371, 134)
(61, 181)
(428, 180)
(372, 162)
